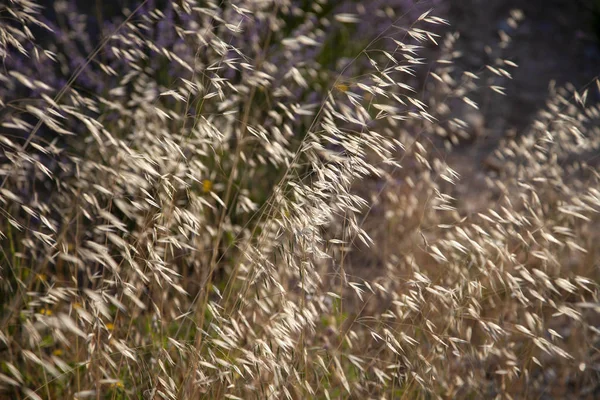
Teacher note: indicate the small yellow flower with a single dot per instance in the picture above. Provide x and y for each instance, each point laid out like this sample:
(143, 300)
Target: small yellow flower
(207, 185)
(76, 306)
(110, 326)
(118, 384)
(45, 311)
(57, 352)
(341, 87)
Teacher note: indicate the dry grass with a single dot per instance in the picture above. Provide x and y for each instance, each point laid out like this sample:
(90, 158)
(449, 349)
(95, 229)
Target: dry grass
(218, 202)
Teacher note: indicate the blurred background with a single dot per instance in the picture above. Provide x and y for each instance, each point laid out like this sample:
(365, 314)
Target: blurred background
(558, 40)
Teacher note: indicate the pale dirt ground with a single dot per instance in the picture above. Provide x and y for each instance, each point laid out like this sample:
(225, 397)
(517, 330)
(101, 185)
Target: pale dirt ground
(555, 41)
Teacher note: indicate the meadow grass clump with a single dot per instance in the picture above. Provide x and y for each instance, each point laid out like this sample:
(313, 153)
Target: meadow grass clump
(257, 199)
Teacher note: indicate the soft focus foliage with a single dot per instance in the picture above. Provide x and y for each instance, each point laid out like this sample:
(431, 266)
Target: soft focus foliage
(262, 199)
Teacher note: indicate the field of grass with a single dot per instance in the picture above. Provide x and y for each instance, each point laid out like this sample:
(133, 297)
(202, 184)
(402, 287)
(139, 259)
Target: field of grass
(262, 199)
